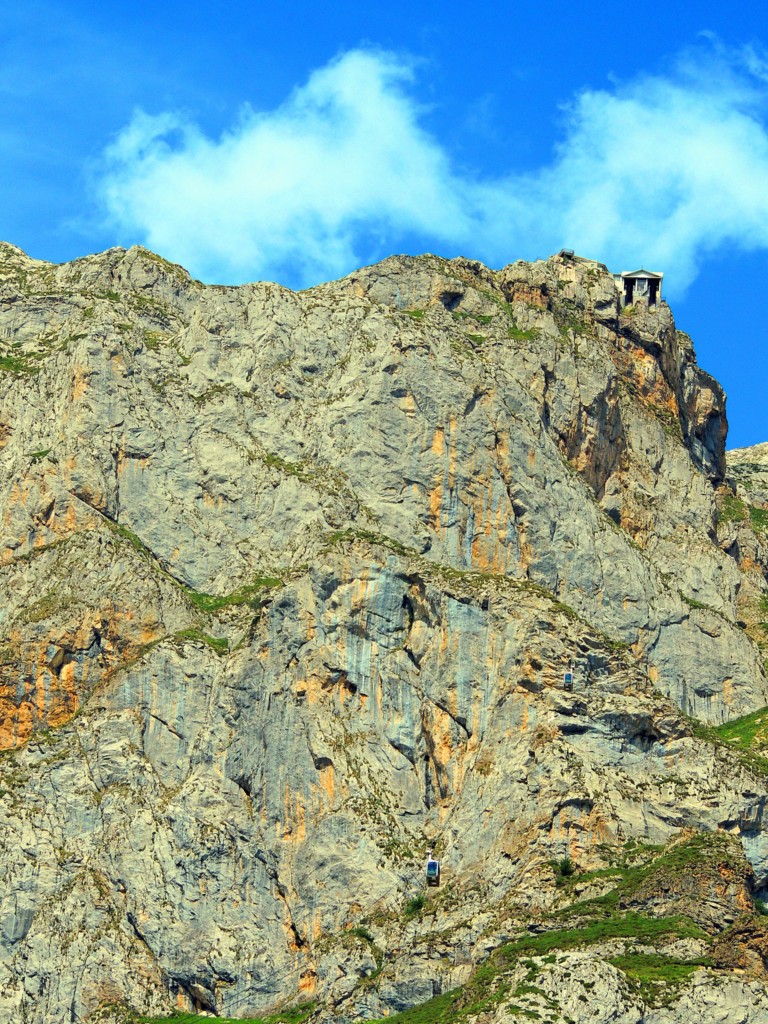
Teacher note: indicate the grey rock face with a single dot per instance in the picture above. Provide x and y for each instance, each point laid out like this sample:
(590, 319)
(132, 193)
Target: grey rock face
(290, 583)
(743, 533)
(748, 467)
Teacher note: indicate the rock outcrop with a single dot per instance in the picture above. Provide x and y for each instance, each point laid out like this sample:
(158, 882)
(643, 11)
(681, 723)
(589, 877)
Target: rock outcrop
(290, 583)
(748, 468)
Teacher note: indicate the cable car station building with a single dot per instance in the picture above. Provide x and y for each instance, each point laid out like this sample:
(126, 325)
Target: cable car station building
(639, 284)
(630, 284)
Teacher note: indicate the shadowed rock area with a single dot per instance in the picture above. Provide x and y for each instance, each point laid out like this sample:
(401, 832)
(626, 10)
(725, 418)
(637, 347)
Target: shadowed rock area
(290, 584)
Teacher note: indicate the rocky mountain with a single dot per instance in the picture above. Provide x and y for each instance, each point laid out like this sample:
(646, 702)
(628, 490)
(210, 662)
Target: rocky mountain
(291, 583)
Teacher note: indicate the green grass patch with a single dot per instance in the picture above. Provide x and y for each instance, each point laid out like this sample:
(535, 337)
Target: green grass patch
(723, 736)
(145, 302)
(488, 986)
(39, 455)
(747, 733)
(626, 926)
(479, 318)
(758, 517)
(247, 594)
(218, 644)
(670, 424)
(210, 393)
(298, 469)
(152, 339)
(417, 314)
(440, 1010)
(656, 977)
(570, 317)
(175, 270)
(136, 542)
(17, 365)
(293, 1015)
(679, 860)
(44, 607)
(732, 509)
(207, 603)
(598, 873)
(460, 348)
(380, 539)
(517, 334)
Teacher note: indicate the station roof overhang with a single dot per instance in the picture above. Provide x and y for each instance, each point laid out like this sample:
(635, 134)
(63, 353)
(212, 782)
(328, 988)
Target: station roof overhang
(642, 273)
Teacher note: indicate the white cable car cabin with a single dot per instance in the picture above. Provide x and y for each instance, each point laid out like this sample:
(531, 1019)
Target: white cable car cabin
(433, 870)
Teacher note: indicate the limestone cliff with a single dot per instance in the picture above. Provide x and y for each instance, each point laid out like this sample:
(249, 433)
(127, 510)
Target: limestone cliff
(290, 582)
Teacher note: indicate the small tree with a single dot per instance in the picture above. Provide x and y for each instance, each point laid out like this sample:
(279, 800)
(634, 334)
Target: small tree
(565, 867)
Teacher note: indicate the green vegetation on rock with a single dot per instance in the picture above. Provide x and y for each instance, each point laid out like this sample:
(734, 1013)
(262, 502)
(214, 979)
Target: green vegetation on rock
(758, 517)
(657, 978)
(654, 975)
(245, 595)
(17, 365)
(618, 926)
(152, 339)
(736, 736)
(747, 733)
(732, 509)
(218, 644)
(39, 455)
(518, 334)
(670, 869)
(440, 1010)
(294, 1015)
(414, 906)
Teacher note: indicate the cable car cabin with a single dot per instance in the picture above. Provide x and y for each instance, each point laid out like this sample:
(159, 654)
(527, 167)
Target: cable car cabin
(433, 872)
(568, 681)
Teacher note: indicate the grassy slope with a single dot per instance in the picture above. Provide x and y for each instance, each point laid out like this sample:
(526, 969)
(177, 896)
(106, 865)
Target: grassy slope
(655, 976)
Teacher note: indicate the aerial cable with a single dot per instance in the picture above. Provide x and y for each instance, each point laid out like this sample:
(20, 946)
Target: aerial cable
(190, 1017)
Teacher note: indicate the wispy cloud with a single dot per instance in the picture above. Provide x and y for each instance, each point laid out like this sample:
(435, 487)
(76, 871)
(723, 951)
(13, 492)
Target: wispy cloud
(660, 170)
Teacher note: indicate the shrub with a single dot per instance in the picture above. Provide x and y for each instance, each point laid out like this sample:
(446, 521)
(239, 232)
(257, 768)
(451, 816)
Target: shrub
(565, 867)
(415, 906)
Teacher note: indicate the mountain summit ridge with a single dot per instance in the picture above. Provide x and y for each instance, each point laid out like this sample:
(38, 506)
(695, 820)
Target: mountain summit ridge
(291, 582)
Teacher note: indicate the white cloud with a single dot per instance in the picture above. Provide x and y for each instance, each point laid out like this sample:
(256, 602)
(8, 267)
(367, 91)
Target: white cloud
(664, 170)
(659, 171)
(287, 193)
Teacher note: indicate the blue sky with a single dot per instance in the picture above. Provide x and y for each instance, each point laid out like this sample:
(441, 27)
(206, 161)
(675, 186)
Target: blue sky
(295, 143)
